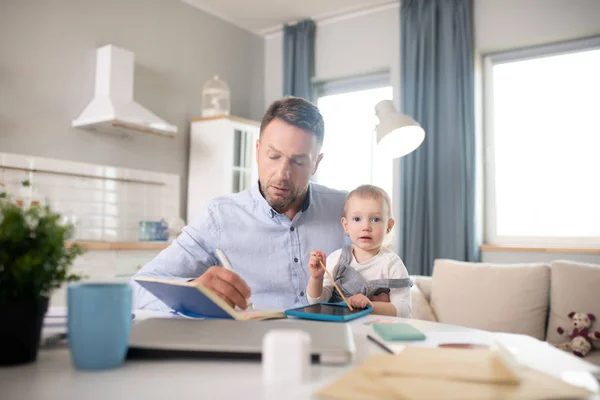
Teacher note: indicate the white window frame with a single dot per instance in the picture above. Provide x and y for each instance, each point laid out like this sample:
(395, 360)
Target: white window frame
(490, 221)
(367, 81)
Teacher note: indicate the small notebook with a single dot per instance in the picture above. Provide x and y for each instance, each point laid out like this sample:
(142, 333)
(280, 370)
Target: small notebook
(398, 332)
(194, 300)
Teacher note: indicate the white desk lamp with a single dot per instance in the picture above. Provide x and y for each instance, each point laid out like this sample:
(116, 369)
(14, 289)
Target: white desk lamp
(397, 134)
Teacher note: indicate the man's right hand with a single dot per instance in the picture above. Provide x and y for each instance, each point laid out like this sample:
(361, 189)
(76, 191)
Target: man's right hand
(227, 285)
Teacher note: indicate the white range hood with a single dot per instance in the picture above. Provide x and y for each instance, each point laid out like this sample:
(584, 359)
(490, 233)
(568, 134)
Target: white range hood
(113, 109)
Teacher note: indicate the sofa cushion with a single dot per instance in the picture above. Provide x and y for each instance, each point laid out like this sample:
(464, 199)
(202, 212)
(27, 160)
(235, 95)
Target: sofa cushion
(574, 287)
(509, 298)
(420, 306)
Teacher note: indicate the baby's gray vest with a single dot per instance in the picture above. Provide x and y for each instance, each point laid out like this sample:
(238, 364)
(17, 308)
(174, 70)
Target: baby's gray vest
(351, 282)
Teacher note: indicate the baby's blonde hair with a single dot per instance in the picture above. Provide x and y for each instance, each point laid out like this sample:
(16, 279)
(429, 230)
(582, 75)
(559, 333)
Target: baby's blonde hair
(370, 192)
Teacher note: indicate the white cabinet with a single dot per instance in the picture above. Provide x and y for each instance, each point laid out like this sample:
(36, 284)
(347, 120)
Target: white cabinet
(222, 159)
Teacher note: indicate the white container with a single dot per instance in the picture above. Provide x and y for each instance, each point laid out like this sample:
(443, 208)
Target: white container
(286, 356)
(216, 98)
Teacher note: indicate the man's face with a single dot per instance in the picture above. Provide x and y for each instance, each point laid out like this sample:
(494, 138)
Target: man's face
(287, 157)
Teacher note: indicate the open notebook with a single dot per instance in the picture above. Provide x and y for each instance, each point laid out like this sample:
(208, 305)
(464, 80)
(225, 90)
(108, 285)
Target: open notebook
(194, 300)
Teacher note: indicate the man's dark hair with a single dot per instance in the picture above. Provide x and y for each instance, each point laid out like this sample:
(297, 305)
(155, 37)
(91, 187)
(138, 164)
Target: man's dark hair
(298, 112)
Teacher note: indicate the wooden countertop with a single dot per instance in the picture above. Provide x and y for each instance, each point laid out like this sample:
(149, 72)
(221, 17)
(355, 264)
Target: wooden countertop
(88, 245)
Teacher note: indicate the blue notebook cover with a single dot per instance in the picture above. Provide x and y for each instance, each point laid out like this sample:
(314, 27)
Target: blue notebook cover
(191, 299)
(188, 298)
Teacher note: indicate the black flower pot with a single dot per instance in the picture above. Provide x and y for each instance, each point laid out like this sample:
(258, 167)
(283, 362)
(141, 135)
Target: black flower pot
(20, 330)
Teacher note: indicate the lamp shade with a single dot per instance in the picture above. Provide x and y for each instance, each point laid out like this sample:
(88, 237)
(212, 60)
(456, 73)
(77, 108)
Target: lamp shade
(397, 134)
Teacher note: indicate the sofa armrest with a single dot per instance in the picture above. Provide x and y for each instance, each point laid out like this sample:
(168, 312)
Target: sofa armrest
(420, 308)
(424, 283)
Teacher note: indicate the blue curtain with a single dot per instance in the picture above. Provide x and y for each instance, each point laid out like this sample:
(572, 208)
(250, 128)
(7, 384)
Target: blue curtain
(298, 59)
(437, 187)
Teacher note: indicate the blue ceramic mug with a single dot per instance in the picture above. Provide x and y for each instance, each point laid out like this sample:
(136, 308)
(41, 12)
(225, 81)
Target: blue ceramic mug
(99, 323)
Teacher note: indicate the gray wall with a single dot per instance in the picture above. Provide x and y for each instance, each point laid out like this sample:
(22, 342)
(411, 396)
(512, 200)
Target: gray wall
(47, 69)
(509, 24)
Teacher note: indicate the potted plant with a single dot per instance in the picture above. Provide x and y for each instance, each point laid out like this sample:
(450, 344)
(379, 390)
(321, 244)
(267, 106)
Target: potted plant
(34, 260)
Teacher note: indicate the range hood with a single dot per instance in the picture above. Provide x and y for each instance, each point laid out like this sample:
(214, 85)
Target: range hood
(113, 109)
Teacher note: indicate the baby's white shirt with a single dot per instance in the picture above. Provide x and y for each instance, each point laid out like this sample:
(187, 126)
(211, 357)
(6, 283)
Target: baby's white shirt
(385, 265)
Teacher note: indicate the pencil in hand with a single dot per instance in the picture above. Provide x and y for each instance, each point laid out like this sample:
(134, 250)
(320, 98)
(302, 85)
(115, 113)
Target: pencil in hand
(336, 286)
(225, 263)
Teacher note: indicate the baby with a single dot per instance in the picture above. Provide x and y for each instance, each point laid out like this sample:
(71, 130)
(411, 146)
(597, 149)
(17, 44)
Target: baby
(368, 273)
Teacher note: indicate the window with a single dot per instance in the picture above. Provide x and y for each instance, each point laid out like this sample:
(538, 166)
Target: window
(543, 145)
(350, 152)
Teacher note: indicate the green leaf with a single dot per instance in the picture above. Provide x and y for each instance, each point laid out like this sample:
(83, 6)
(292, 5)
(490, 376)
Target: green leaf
(33, 257)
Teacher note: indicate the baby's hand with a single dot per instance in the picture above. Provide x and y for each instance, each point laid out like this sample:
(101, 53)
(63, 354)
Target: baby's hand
(360, 301)
(314, 264)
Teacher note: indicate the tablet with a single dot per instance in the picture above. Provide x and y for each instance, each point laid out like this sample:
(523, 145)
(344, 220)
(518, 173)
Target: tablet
(336, 312)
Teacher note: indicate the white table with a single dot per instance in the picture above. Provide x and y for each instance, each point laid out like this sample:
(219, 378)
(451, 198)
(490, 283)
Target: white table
(54, 377)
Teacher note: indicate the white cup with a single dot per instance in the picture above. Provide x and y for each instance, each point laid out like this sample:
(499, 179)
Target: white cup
(286, 356)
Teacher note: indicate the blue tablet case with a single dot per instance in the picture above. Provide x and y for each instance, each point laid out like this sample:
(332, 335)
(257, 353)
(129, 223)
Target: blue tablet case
(295, 312)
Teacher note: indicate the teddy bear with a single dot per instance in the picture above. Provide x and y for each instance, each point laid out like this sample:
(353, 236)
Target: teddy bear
(581, 336)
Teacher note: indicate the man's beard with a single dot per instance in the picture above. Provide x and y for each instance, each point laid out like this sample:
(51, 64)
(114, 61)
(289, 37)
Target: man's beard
(281, 203)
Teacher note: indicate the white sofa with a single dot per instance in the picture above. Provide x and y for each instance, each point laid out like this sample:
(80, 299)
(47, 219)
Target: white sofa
(531, 299)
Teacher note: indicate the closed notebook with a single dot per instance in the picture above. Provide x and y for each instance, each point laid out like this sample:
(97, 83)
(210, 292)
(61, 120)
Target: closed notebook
(193, 299)
(398, 332)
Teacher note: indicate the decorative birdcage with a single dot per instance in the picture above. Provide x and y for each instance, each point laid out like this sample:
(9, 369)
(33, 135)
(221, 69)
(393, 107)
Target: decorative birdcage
(216, 98)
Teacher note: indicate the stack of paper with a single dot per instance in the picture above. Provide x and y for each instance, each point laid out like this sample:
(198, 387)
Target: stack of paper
(446, 373)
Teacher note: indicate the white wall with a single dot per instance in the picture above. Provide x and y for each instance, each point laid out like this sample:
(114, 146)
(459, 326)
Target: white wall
(360, 45)
(344, 47)
(502, 25)
(509, 24)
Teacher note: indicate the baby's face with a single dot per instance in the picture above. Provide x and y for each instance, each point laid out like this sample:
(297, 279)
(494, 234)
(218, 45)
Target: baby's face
(366, 222)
